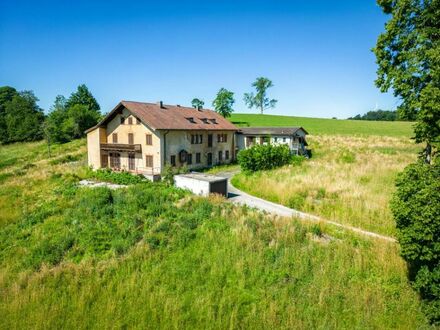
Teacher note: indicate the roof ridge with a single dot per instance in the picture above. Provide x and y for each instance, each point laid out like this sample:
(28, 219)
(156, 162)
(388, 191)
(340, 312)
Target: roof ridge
(167, 105)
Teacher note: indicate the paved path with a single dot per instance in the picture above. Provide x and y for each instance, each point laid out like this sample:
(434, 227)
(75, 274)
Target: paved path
(94, 184)
(239, 197)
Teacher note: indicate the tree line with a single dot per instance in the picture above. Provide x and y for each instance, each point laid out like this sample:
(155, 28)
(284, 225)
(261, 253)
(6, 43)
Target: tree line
(408, 58)
(22, 120)
(380, 115)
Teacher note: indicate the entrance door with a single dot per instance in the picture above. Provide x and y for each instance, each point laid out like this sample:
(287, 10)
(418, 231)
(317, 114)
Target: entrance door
(104, 160)
(209, 140)
(209, 158)
(131, 162)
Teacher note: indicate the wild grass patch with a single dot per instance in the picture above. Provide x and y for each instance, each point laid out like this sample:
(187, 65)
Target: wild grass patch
(350, 182)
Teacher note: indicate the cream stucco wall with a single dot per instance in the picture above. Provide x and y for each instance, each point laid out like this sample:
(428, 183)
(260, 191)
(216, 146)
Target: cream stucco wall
(177, 141)
(94, 139)
(139, 132)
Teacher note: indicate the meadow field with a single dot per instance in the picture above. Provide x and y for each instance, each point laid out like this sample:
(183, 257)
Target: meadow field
(322, 126)
(152, 256)
(349, 179)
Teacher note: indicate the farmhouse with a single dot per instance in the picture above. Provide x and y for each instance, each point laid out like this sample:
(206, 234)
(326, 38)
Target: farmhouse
(143, 137)
(294, 137)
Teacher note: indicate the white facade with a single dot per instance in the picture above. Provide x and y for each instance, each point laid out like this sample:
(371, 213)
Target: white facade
(202, 184)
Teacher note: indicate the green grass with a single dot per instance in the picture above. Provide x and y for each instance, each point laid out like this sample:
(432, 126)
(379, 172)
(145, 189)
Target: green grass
(151, 256)
(349, 180)
(320, 126)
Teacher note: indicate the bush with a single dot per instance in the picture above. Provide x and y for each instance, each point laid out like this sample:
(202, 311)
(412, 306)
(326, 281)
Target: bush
(108, 175)
(416, 208)
(263, 157)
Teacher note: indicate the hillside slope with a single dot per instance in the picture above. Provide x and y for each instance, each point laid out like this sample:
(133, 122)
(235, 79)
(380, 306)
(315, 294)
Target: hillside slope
(151, 256)
(320, 126)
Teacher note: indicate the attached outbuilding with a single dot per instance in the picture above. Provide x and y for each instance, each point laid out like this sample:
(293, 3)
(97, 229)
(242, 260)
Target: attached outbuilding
(293, 137)
(202, 184)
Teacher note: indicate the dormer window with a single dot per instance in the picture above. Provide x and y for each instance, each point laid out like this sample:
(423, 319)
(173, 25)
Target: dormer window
(205, 120)
(191, 120)
(213, 120)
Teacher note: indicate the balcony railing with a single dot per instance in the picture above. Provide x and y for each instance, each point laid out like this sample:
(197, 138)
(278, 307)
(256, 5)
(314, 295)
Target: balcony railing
(121, 147)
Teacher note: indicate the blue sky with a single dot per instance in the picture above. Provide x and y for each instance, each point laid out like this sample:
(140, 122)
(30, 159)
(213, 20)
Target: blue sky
(317, 53)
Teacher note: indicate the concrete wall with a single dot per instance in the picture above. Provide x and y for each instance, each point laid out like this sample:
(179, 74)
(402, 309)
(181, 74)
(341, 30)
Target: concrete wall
(198, 187)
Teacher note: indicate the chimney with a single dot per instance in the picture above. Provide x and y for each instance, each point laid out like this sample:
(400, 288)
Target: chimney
(160, 104)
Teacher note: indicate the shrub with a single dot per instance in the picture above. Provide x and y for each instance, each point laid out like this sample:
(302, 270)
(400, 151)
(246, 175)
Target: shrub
(170, 171)
(263, 157)
(108, 175)
(65, 159)
(416, 208)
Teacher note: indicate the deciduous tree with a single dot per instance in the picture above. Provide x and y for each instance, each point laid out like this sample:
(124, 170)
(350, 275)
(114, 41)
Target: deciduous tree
(260, 100)
(408, 56)
(23, 118)
(197, 103)
(223, 102)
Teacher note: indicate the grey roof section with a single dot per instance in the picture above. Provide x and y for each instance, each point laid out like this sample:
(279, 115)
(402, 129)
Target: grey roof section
(202, 177)
(270, 130)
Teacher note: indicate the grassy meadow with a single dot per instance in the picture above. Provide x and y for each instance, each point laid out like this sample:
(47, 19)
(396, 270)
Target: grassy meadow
(152, 256)
(322, 126)
(349, 179)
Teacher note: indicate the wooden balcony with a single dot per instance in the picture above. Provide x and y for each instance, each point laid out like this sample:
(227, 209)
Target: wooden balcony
(121, 147)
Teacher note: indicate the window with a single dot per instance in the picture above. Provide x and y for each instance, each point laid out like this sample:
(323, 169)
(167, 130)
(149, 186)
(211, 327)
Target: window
(148, 139)
(138, 121)
(148, 161)
(189, 159)
(220, 156)
(214, 121)
(227, 154)
(130, 121)
(122, 120)
(173, 160)
(130, 138)
(198, 161)
(115, 160)
(131, 161)
(191, 120)
(222, 138)
(284, 139)
(275, 139)
(196, 138)
(115, 137)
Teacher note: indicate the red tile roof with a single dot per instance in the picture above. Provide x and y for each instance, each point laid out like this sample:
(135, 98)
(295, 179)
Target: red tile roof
(171, 117)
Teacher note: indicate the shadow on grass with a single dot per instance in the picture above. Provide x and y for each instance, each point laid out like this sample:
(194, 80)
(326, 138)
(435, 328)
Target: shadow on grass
(241, 123)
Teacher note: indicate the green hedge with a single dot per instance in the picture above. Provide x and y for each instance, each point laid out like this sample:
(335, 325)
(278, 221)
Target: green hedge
(416, 208)
(263, 157)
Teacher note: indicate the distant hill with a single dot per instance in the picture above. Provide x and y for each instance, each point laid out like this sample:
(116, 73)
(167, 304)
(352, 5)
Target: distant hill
(320, 126)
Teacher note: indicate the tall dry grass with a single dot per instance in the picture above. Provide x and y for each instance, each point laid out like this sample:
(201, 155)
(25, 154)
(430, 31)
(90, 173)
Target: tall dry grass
(349, 180)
